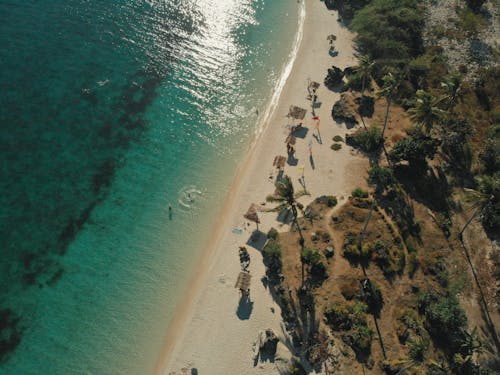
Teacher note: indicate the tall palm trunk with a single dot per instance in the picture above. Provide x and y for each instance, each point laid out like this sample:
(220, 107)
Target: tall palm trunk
(473, 216)
(362, 236)
(296, 221)
(362, 96)
(389, 100)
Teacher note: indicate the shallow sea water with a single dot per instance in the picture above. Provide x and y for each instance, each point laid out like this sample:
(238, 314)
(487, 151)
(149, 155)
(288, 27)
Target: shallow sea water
(110, 112)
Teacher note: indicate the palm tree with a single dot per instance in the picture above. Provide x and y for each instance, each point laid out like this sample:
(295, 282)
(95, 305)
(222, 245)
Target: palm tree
(285, 195)
(418, 348)
(481, 198)
(452, 86)
(390, 84)
(364, 69)
(425, 111)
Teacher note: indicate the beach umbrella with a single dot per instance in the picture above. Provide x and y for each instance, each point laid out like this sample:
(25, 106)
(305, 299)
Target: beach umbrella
(331, 38)
(251, 214)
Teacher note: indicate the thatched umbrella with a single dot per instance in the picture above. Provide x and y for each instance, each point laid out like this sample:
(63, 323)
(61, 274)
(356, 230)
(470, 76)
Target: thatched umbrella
(313, 85)
(297, 112)
(279, 161)
(243, 282)
(252, 214)
(290, 140)
(331, 38)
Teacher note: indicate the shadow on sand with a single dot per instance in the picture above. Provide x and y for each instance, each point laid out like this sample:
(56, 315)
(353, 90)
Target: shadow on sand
(301, 133)
(257, 240)
(245, 307)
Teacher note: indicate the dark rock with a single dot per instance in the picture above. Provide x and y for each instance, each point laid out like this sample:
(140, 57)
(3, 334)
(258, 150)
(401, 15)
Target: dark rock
(268, 343)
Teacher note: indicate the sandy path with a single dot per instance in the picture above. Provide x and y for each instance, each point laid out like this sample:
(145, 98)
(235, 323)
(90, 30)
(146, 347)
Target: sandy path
(210, 332)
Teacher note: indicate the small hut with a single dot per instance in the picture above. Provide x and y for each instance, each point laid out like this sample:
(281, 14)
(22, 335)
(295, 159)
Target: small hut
(279, 161)
(313, 86)
(290, 140)
(297, 112)
(251, 214)
(243, 282)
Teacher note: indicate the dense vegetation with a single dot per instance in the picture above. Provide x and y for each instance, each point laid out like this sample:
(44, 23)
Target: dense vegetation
(430, 180)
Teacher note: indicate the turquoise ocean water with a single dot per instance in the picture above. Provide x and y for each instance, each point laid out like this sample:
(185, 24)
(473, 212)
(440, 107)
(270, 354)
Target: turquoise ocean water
(111, 111)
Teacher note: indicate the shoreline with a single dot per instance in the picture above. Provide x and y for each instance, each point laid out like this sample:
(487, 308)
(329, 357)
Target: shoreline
(187, 341)
(200, 270)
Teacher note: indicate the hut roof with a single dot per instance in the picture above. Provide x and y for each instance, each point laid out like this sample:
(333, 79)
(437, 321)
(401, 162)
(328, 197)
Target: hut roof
(279, 161)
(313, 85)
(297, 112)
(251, 214)
(243, 281)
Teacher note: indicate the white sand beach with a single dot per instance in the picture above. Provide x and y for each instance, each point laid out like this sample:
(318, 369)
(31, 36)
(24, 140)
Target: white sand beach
(211, 332)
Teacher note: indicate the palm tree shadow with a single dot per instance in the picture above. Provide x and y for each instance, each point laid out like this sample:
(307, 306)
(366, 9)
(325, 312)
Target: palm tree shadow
(245, 307)
(311, 161)
(285, 216)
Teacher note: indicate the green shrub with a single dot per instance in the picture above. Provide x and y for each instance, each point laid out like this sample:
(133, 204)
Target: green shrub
(354, 82)
(331, 201)
(445, 318)
(372, 296)
(366, 140)
(338, 138)
(382, 177)
(418, 346)
(272, 234)
(380, 253)
(272, 258)
(336, 146)
(296, 368)
(341, 112)
(415, 149)
(410, 244)
(412, 264)
(349, 288)
(344, 316)
(407, 320)
(390, 29)
(475, 5)
(362, 337)
(313, 258)
(470, 22)
(359, 193)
